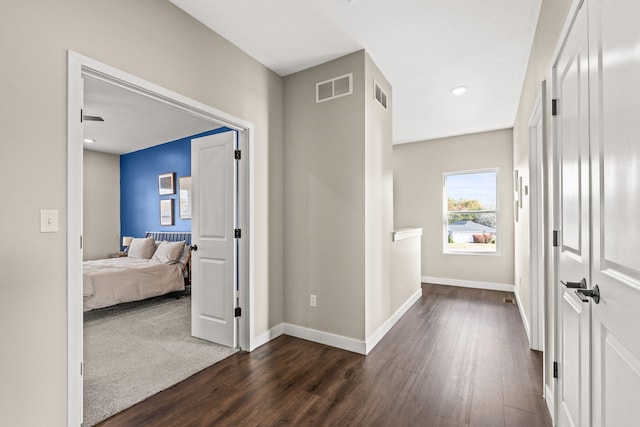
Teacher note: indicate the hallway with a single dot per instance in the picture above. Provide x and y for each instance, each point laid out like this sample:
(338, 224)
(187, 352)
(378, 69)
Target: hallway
(459, 357)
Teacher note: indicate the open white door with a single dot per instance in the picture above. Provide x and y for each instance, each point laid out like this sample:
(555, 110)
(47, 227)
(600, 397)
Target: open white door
(213, 221)
(573, 216)
(615, 128)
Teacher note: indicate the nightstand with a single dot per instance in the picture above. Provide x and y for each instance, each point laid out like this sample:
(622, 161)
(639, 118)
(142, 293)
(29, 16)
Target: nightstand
(118, 255)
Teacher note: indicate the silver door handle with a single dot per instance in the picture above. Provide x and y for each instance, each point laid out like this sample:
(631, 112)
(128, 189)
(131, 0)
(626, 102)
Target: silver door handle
(585, 294)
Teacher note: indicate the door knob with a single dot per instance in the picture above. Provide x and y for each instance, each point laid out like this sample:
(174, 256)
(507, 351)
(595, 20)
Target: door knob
(576, 285)
(193, 247)
(585, 294)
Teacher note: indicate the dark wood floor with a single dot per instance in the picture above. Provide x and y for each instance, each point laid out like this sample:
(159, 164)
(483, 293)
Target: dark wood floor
(459, 357)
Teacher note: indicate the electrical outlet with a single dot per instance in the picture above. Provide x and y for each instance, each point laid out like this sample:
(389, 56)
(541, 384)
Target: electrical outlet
(313, 300)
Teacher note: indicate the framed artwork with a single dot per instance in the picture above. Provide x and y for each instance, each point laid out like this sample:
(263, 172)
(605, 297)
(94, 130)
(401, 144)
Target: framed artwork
(166, 212)
(185, 197)
(167, 183)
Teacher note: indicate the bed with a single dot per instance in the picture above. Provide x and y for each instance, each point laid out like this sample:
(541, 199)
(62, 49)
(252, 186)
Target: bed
(157, 264)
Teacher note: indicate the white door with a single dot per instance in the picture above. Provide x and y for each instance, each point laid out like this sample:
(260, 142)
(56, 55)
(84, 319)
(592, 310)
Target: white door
(213, 221)
(573, 222)
(615, 141)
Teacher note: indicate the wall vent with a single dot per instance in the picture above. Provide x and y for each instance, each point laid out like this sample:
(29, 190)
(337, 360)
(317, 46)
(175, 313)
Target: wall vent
(334, 88)
(379, 94)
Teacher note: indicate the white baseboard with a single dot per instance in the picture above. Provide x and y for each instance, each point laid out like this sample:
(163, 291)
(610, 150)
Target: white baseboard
(469, 284)
(267, 336)
(326, 338)
(525, 321)
(386, 327)
(333, 340)
(548, 397)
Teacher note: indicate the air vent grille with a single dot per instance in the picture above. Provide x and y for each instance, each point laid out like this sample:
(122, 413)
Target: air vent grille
(334, 88)
(379, 94)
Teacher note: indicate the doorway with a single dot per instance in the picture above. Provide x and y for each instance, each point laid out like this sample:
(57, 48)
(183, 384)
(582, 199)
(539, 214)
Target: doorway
(79, 66)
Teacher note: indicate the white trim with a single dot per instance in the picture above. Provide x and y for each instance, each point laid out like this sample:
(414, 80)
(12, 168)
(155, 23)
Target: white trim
(79, 65)
(75, 337)
(406, 233)
(537, 169)
(554, 196)
(269, 335)
(525, 321)
(375, 338)
(338, 341)
(568, 23)
(326, 338)
(469, 284)
(548, 397)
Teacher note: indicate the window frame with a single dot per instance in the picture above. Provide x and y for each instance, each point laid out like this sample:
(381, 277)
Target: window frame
(445, 216)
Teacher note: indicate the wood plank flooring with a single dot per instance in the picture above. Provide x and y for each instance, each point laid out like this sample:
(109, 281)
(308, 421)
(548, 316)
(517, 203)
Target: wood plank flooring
(459, 357)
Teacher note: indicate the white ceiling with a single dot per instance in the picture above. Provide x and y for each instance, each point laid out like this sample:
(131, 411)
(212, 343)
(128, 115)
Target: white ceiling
(423, 47)
(133, 121)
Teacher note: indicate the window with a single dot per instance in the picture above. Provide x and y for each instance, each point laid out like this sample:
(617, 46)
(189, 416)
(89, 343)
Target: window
(470, 212)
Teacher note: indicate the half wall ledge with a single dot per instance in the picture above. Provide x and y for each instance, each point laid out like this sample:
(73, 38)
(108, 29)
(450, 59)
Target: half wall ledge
(406, 233)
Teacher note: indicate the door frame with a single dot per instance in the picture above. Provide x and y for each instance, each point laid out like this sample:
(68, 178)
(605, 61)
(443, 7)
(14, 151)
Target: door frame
(78, 66)
(554, 199)
(536, 220)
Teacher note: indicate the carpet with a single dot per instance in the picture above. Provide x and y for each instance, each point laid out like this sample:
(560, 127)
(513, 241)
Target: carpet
(135, 350)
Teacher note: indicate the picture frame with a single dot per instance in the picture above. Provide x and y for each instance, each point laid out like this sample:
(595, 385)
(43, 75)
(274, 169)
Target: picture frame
(185, 192)
(166, 212)
(167, 183)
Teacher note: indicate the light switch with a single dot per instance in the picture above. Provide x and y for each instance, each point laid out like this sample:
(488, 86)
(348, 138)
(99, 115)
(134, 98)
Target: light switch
(49, 221)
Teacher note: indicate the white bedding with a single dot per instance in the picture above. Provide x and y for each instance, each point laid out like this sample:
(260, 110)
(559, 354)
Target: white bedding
(115, 280)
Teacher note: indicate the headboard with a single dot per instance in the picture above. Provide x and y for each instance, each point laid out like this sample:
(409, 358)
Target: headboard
(171, 236)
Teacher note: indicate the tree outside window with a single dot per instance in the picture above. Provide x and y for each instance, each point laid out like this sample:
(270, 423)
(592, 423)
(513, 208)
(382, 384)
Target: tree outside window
(470, 211)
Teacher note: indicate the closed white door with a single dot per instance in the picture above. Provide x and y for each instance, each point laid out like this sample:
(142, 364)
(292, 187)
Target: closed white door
(573, 220)
(213, 287)
(615, 141)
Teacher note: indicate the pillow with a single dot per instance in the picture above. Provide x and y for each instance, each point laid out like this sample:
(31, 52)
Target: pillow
(142, 248)
(186, 251)
(168, 252)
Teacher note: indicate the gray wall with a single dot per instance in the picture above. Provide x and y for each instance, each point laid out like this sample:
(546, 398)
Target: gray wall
(379, 289)
(101, 208)
(153, 40)
(339, 204)
(552, 17)
(418, 169)
(324, 208)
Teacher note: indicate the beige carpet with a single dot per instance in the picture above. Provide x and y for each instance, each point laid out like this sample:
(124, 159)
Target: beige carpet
(133, 351)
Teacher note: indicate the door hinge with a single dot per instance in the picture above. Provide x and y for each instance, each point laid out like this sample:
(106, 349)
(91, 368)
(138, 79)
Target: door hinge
(238, 312)
(237, 154)
(81, 116)
(237, 233)
(80, 242)
(555, 238)
(81, 369)
(555, 369)
(554, 107)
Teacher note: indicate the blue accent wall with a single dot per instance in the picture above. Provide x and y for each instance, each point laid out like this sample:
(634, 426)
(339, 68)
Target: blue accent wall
(139, 198)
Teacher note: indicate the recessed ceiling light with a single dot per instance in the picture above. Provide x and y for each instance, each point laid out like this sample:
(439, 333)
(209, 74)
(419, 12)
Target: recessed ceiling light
(89, 141)
(459, 90)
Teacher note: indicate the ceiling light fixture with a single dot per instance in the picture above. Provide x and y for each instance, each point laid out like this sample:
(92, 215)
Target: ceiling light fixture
(89, 141)
(459, 90)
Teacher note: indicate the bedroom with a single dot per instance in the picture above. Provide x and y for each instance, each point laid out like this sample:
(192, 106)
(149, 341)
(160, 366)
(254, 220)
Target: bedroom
(122, 164)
